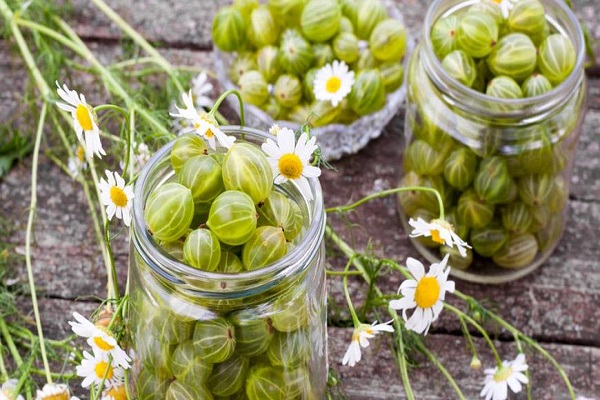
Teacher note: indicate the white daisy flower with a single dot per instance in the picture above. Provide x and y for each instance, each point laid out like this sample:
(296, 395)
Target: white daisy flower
(200, 88)
(440, 232)
(510, 375)
(94, 369)
(361, 337)
(8, 391)
(273, 130)
(202, 123)
(426, 293)
(333, 82)
(84, 120)
(290, 160)
(141, 155)
(100, 340)
(54, 391)
(505, 6)
(116, 197)
(117, 392)
(77, 163)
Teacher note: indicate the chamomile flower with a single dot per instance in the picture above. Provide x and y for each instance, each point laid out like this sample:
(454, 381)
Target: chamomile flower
(202, 123)
(200, 88)
(54, 391)
(77, 163)
(361, 337)
(117, 392)
(100, 340)
(426, 293)
(510, 375)
(440, 232)
(505, 6)
(97, 368)
(290, 160)
(139, 157)
(8, 391)
(116, 197)
(333, 82)
(84, 120)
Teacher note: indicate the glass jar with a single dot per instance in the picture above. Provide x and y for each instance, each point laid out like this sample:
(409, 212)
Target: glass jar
(250, 335)
(502, 166)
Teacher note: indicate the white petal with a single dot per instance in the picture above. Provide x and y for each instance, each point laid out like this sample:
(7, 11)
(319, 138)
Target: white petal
(304, 186)
(310, 171)
(514, 384)
(416, 268)
(286, 141)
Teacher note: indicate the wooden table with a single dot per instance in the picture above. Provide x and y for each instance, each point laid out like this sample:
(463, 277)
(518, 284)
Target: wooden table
(558, 305)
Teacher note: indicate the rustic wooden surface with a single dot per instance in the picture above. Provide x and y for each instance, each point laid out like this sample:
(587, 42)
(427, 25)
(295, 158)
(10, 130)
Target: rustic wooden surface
(558, 305)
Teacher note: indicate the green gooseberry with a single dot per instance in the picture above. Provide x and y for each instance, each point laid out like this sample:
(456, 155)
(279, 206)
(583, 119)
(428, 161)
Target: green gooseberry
(308, 81)
(290, 312)
(245, 7)
(323, 113)
(483, 76)
(214, 340)
(474, 211)
(186, 147)
(297, 383)
(262, 28)
(253, 87)
(460, 167)
(456, 260)
(460, 66)
(539, 218)
(536, 151)
(556, 58)
(559, 159)
(232, 217)
(277, 210)
(202, 250)
(392, 74)
(168, 327)
(369, 13)
(423, 159)
(253, 334)
(323, 54)
(286, 12)
(295, 53)
(266, 245)
(443, 36)
(267, 62)
(528, 17)
(346, 24)
(289, 350)
(202, 175)
(490, 8)
(487, 240)
(246, 168)
(229, 377)
(388, 40)
(229, 263)
(514, 56)
(504, 87)
(366, 60)
(345, 47)
(518, 251)
(169, 211)
(409, 200)
(154, 354)
(536, 85)
(558, 196)
(320, 20)
(300, 114)
(477, 34)
(460, 228)
(149, 387)
(492, 181)
(548, 236)
(541, 35)
(368, 92)
(244, 62)
(516, 217)
(288, 90)
(429, 200)
(229, 29)
(266, 383)
(273, 108)
(180, 391)
(174, 249)
(188, 366)
(535, 190)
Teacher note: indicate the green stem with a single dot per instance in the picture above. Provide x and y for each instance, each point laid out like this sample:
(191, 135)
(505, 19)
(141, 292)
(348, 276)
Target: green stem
(3, 372)
(386, 193)
(401, 358)
(113, 270)
(32, 209)
(343, 273)
(467, 334)
(9, 343)
(130, 141)
(55, 375)
(442, 369)
(127, 390)
(112, 107)
(355, 319)
(222, 97)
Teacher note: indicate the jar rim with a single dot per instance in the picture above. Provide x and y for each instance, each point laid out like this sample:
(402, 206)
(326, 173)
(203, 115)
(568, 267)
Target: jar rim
(180, 273)
(478, 102)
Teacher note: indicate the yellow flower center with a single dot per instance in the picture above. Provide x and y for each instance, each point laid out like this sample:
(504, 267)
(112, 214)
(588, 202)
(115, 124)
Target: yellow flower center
(117, 393)
(82, 114)
(427, 292)
(290, 166)
(60, 396)
(80, 153)
(435, 236)
(497, 1)
(102, 344)
(333, 84)
(118, 196)
(103, 368)
(503, 374)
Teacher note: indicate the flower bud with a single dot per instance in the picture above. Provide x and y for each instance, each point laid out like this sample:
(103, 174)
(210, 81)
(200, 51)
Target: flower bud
(475, 363)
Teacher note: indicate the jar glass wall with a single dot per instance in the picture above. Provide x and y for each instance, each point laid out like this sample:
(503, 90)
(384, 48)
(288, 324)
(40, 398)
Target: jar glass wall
(502, 166)
(250, 335)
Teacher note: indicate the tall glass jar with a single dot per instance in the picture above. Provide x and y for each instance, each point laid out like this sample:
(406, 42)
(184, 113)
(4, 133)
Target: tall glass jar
(251, 335)
(502, 166)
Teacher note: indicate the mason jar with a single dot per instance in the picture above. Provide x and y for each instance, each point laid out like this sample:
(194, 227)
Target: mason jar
(251, 335)
(502, 166)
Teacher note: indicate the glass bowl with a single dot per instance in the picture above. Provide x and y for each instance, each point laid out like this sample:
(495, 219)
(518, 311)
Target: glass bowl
(335, 140)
